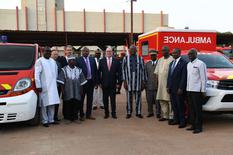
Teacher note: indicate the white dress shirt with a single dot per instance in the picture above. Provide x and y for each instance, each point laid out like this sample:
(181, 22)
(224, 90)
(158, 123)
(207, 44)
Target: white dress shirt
(97, 63)
(177, 60)
(66, 58)
(196, 76)
(109, 61)
(153, 62)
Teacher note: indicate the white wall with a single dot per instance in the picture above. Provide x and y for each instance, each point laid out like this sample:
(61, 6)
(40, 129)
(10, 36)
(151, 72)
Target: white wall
(74, 21)
(7, 20)
(94, 22)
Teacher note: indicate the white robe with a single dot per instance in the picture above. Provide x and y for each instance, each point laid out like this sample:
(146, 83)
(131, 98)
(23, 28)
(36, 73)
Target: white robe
(45, 77)
(161, 71)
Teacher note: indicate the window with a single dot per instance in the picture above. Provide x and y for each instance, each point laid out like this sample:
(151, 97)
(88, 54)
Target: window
(145, 48)
(14, 57)
(213, 61)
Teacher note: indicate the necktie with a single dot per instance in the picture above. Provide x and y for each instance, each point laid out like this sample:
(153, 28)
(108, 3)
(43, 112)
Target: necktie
(109, 64)
(88, 68)
(173, 65)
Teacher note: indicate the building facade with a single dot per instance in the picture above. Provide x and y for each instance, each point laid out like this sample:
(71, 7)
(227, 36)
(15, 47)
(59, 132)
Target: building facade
(49, 15)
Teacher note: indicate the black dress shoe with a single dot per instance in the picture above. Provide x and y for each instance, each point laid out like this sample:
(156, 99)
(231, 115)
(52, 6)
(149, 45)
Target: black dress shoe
(128, 116)
(90, 118)
(190, 128)
(150, 115)
(196, 131)
(106, 116)
(139, 116)
(172, 122)
(55, 123)
(182, 126)
(114, 116)
(162, 119)
(57, 120)
(82, 119)
(94, 108)
(46, 125)
(101, 107)
(158, 116)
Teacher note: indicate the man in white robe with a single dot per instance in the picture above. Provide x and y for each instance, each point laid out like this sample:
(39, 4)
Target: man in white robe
(161, 71)
(46, 84)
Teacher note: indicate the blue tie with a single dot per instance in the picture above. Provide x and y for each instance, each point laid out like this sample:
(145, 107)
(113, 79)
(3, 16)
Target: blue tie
(173, 66)
(88, 68)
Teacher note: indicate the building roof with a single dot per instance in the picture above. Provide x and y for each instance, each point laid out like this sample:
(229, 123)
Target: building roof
(167, 29)
(51, 38)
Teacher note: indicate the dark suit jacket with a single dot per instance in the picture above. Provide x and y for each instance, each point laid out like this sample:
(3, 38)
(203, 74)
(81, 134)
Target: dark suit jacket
(152, 81)
(109, 79)
(82, 64)
(177, 79)
(62, 60)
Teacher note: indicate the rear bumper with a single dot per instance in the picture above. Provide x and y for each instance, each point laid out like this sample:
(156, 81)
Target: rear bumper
(219, 100)
(18, 108)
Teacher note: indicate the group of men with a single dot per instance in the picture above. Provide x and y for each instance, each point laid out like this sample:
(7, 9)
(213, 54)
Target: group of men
(179, 87)
(74, 79)
(168, 82)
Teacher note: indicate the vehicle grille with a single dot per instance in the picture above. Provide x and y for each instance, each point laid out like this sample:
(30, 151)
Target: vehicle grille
(227, 98)
(2, 103)
(11, 116)
(1, 117)
(3, 92)
(225, 85)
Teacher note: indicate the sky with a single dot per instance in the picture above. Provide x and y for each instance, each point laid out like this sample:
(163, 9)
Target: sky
(195, 14)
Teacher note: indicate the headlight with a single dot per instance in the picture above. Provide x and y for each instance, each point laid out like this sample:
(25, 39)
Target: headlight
(212, 84)
(22, 84)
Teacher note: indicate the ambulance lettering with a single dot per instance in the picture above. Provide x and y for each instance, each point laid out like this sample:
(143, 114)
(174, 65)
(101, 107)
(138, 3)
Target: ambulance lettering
(188, 40)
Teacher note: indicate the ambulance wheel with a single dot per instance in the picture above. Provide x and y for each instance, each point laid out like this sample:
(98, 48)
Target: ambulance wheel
(36, 120)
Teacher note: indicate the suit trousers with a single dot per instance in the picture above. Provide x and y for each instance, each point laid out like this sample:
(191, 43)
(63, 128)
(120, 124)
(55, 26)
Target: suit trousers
(129, 107)
(195, 107)
(178, 107)
(57, 105)
(88, 89)
(151, 100)
(109, 93)
(166, 109)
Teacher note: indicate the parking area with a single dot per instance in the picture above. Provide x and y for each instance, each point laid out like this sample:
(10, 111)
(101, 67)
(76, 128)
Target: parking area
(121, 136)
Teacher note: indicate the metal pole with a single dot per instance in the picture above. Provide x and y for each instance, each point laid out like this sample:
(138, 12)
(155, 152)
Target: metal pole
(131, 32)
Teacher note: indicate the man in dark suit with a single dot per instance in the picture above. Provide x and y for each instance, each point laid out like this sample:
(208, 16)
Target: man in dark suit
(63, 59)
(55, 57)
(89, 69)
(152, 85)
(176, 85)
(109, 79)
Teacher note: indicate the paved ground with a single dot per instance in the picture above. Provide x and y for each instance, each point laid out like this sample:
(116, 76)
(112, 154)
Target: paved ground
(118, 137)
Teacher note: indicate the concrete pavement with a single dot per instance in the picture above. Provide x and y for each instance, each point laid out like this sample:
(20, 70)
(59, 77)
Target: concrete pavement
(118, 137)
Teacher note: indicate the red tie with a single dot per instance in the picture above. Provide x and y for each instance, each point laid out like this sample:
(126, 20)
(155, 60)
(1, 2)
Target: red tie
(109, 64)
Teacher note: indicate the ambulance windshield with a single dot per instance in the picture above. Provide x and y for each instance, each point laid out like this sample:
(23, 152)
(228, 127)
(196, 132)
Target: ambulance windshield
(213, 60)
(13, 57)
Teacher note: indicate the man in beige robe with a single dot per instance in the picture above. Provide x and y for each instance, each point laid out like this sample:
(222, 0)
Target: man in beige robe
(161, 71)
